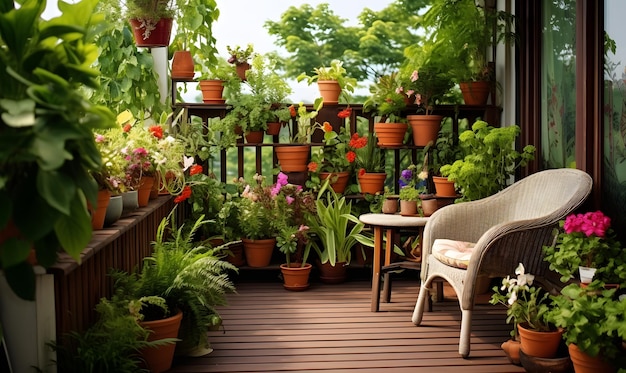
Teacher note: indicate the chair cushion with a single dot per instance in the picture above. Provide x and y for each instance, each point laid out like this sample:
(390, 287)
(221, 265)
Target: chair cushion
(453, 253)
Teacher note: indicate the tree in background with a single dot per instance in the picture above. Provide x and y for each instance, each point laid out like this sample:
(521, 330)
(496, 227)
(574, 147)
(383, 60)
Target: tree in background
(315, 36)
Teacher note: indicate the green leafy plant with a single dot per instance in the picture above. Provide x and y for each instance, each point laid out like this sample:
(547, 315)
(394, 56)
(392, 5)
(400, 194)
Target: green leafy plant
(47, 147)
(387, 99)
(587, 240)
(369, 157)
(412, 183)
(525, 303)
(239, 55)
(490, 160)
(306, 123)
(194, 23)
(594, 319)
(335, 227)
(335, 71)
(189, 276)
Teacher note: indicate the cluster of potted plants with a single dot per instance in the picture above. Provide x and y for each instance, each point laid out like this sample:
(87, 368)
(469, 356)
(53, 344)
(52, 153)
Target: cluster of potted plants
(588, 316)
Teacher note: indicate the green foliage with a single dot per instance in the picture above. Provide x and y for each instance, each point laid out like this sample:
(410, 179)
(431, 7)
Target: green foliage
(239, 55)
(370, 157)
(194, 30)
(385, 100)
(409, 193)
(593, 319)
(150, 10)
(490, 160)
(315, 36)
(335, 227)
(189, 276)
(47, 147)
(110, 345)
(335, 71)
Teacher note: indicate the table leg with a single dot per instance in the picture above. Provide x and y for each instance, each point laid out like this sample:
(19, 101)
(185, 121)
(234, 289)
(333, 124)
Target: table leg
(378, 244)
(388, 250)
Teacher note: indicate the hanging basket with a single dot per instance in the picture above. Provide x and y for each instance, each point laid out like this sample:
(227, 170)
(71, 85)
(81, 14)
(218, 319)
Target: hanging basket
(150, 34)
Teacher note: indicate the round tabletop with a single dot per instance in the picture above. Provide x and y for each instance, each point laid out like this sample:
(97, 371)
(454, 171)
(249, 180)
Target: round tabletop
(393, 220)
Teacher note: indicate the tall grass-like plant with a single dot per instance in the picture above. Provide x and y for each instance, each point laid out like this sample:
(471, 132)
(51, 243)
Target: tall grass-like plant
(335, 226)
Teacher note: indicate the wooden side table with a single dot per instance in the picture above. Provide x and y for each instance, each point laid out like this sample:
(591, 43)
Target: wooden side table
(388, 223)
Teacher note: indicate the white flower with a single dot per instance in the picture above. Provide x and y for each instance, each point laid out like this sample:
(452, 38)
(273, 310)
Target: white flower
(512, 298)
(187, 162)
(523, 279)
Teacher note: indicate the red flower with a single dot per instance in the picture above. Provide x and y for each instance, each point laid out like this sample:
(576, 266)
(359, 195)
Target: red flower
(345, 113)
(156, 131)
(186, 193)
(362, 172)
(357, 142)
(195, 169)
(292, 111)
(351, 156)
(127, 128)
(327, 127)
(312, 166)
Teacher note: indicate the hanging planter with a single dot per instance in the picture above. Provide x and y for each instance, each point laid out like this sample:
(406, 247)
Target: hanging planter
(151, 34)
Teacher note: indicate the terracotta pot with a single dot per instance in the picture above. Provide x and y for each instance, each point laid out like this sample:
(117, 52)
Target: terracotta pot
(338, 181)
(511, 349)
(429, 206)
(390, 205)
(182, 65)
(241, 69)
(158, 37)
(583, 363)
(425, 128)
(336, 274)
(372, 182)
(296, 276)
(212, 91)
(444, 187)
(143, 192)
(475, 93)
(273, 128)
(539, 344)
(159, 359)
(98, 214)
(329, 90)
(561, 363)
(408, 208)
(293, 158)
(259, 252)
(237, 259)
(390, 134)
(254, 137)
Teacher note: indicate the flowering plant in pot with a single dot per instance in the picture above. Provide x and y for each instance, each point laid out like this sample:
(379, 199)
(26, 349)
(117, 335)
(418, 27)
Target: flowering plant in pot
(370, 163)
(527, 308)
(587, 240)
(412, 185)
(387, 101)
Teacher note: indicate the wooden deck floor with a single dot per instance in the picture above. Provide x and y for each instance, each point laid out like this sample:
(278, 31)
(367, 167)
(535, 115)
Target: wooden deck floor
(329, 328)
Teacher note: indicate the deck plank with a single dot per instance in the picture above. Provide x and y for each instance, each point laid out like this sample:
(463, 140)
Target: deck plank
(329, 328)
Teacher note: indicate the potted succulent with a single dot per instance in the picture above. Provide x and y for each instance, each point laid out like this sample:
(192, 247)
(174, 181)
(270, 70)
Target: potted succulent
(527, 308)
(586, 243)
(331, 80)
(387, 101)
(477, 176)
(42, 93)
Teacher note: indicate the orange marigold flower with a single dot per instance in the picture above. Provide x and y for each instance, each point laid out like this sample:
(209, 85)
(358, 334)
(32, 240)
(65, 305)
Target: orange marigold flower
(327, 127)
(312, 166)
(345, 113)
(292, 111)
(362, 172)
(127, 128)
(186, 193)
(156, 131)
(195, 169)
(351, 156)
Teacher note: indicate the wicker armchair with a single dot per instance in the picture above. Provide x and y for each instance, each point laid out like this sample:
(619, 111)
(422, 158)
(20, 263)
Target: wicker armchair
(508, 228)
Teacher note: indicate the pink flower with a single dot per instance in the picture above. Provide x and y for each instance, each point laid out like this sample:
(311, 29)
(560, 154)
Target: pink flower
(282, 179)
(289, 199)
(591, 223)
(414, 76)
(100, 138)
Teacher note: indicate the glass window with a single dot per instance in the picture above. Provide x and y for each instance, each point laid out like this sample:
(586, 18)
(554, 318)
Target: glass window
(558, 83)
(614, 160)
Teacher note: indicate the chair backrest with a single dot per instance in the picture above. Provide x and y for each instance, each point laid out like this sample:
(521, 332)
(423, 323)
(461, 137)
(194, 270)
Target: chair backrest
(551, 194)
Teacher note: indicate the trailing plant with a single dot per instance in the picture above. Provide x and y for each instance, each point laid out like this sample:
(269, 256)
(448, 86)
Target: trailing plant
(490, 160)
(47, 147)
